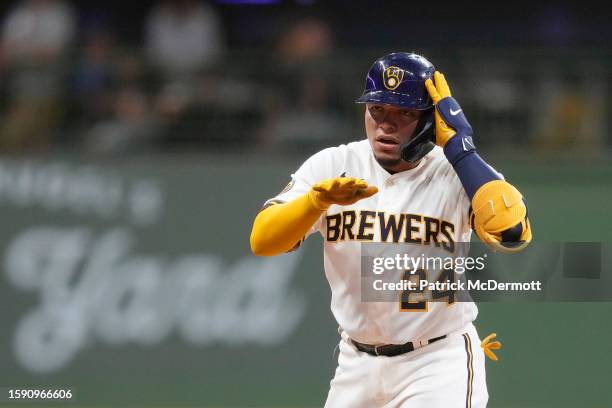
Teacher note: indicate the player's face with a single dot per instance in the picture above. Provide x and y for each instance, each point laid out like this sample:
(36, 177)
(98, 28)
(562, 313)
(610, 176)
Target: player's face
(388, 127)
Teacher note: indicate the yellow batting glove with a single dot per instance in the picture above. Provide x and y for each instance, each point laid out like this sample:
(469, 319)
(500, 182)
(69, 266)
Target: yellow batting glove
(449, 116)
(440, 90)
(488, 345)
(340, 190)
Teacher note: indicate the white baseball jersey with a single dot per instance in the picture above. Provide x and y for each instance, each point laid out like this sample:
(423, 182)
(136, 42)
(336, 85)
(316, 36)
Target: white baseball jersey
(430, 205)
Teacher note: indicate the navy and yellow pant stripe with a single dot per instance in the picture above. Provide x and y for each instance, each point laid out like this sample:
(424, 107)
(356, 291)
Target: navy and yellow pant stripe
(470, 369)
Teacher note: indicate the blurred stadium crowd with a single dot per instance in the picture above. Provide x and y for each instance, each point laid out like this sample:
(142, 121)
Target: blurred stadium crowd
(201, 75)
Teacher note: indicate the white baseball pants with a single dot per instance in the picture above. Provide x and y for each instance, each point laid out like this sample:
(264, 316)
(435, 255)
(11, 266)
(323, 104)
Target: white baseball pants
(449, 373)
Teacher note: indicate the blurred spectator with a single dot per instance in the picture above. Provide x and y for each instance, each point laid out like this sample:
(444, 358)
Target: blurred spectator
(95, 77)
(35, 37)
(308, 39)
(131, 128)
(305, 109)
(570, 112)
(116, 112)
(301, 51)
(183, 37)
(184, 43)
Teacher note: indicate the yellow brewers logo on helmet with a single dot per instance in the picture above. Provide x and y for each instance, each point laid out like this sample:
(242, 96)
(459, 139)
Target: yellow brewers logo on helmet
(392, 77)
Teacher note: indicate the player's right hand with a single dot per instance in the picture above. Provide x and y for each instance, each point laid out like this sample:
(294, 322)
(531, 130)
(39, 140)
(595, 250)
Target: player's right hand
(340, 190)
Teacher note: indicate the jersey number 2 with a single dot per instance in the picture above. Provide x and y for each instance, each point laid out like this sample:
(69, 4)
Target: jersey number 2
(415, 300)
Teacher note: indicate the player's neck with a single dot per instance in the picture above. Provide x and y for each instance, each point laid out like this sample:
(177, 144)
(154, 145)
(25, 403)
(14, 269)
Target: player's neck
(402, 166)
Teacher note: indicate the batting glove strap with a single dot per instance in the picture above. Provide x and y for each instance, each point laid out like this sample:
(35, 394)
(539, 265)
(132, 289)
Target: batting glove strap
(458, 147)
(453, 115)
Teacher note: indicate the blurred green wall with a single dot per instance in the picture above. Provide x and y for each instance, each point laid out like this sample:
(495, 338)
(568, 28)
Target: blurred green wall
(101, 257)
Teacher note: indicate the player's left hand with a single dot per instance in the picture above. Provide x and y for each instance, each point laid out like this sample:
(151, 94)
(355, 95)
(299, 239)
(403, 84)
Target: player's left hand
(450, 119)
(488, 345)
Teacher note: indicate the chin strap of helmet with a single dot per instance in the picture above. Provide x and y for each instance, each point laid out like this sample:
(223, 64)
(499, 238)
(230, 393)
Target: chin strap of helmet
(423, 140)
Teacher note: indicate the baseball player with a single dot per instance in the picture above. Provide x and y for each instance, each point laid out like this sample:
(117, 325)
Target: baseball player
(416, 179)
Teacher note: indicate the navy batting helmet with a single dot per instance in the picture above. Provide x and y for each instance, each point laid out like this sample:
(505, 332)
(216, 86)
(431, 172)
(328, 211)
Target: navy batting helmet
(399, 79)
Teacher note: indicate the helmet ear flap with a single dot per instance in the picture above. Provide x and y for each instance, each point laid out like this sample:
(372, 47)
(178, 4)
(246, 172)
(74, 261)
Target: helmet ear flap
(423, 140)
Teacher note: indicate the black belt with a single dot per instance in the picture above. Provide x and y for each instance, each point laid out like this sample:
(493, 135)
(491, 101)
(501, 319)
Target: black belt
(391, 350)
